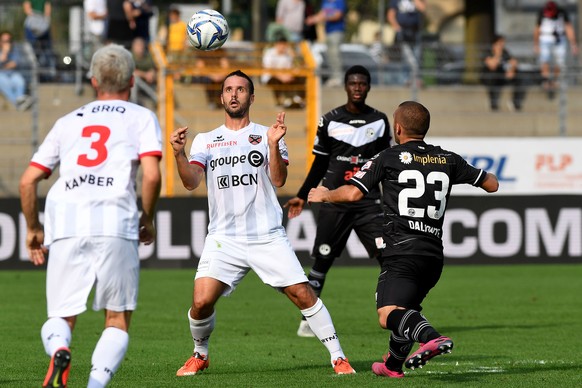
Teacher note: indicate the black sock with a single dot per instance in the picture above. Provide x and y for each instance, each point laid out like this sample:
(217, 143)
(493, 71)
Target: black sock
(317, 275)
(316, 281)
(411, 325)
(399, 349)
(318, 272)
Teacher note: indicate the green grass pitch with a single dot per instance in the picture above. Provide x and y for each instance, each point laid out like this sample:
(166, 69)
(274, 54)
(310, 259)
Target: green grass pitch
(513, 326)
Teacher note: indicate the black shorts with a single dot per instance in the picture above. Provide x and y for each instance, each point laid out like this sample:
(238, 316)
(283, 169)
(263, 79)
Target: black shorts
(334, 226)
(406, 280)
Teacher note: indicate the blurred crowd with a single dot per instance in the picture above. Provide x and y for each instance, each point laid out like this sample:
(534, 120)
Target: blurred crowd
(130, 23)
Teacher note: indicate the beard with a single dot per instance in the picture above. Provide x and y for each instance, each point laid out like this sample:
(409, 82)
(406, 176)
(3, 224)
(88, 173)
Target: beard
(236, 113)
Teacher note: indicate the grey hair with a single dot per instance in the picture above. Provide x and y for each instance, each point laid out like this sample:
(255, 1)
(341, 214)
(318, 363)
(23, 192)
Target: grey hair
(112, 67)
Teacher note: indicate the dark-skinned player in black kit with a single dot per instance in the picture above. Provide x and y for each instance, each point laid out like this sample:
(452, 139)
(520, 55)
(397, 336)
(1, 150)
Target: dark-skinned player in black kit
(347, 137)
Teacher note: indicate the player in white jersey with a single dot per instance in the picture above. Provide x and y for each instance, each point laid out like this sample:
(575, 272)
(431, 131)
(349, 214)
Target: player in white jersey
(236, 172)
(92, 223)
(243, 162)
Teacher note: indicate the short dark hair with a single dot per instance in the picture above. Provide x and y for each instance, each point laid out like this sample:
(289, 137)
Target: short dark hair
(357, 69)
(6, 32)
(239, 73)
(414, 117)
(280, 37)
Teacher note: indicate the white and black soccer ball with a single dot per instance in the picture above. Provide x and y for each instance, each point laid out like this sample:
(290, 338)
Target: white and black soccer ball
(207, 30)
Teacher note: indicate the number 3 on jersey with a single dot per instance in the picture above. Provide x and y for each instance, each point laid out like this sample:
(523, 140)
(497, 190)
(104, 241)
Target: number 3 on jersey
(98, 145)
(418, 191)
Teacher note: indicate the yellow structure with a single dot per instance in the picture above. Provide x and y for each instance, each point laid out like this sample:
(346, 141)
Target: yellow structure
(181, 70)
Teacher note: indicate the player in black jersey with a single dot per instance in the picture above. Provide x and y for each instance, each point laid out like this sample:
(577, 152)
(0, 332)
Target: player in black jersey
(347, 137)
(416, 180)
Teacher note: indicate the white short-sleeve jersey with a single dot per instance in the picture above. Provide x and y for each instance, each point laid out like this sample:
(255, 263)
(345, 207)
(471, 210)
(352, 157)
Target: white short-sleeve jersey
(242, 200)
(98, 147)
(95, 26)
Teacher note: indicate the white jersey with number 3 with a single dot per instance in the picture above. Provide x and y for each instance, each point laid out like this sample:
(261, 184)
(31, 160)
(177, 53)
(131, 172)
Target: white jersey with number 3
(98, 147)
(242, 199)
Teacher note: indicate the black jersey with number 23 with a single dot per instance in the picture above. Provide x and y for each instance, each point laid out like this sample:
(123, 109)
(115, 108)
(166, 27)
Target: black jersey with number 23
(416, 182)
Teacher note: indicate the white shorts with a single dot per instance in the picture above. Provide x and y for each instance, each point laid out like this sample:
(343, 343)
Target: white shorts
(554, 52)
(76, 264)
(229, 260)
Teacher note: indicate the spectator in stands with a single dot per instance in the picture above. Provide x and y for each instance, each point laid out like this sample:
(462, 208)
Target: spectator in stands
(120, 22)
(173, 35)
(377, 49)
(142, 11)
(333, 14)
(287, 88)
(145, 71)
(552, 33)
(145, 68)
(405, 18)
(500, 69)
(12, 83)
(291, 15)
(37, 33)
(96, 16)
(309, 31)
(96, 12)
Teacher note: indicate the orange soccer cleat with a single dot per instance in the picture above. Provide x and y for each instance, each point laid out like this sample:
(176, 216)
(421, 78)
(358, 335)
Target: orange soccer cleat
(197, 363)
(58, 371)
(341, 366)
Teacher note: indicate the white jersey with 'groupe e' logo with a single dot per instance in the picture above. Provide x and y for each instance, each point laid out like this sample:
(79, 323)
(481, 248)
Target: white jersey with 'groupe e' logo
(241, 197)
(98, 147)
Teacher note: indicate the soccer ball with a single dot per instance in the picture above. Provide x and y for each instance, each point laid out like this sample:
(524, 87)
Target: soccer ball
(207, 30)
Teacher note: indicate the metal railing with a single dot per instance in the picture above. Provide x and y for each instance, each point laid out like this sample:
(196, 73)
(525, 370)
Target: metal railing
(192, 64)
(34, 73)
(459, 107)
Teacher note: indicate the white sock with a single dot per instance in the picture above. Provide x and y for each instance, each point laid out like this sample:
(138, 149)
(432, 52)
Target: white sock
(322, 326)
(94, 383)
(55, 334)
(107, 356)
(201, 330)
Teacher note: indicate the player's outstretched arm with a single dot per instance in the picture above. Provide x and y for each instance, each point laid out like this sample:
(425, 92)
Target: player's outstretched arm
(191, 175)
(29, 203)
(490, 183)
(346, 193)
